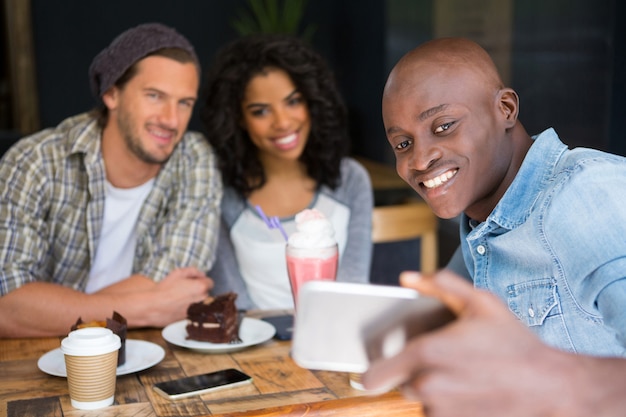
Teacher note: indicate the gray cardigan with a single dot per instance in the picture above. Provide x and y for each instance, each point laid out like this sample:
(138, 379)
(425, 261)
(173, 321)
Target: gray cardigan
(354, 192)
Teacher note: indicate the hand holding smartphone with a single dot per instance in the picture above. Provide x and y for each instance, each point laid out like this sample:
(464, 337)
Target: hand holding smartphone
(201, 384)
(344, 326)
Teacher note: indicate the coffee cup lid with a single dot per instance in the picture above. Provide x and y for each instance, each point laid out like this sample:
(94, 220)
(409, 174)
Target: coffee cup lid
(90, 341)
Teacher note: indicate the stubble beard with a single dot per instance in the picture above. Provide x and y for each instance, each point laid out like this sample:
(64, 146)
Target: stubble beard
(133, 142)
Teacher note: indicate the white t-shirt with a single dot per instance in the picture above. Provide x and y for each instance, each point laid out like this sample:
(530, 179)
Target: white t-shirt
(260, 252)
(116, 247)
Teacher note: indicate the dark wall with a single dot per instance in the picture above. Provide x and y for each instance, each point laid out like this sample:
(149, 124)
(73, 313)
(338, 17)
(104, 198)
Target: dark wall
(356, 40)
(69, 33)
(567, 64)
(568, 56)
(562, 68)
(617, 127)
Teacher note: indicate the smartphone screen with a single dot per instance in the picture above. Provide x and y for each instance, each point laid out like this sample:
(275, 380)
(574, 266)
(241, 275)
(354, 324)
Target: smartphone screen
(200, 384)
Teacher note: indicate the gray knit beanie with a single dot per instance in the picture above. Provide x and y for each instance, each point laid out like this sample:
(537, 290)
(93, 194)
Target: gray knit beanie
(129, 47)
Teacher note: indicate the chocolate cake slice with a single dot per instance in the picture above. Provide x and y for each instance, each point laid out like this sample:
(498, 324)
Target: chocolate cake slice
(214, 319)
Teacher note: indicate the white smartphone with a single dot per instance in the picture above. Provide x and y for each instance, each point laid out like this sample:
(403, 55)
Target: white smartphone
(200, 384)
(344, 326)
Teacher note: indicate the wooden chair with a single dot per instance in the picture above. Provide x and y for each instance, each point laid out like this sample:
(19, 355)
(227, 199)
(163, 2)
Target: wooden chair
(407, 221)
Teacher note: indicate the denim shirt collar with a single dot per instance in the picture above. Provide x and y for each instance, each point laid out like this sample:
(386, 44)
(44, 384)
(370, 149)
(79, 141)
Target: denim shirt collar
(537, 168)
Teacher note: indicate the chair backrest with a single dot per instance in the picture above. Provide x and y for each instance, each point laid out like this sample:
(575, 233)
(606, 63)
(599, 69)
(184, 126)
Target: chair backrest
(408, 221)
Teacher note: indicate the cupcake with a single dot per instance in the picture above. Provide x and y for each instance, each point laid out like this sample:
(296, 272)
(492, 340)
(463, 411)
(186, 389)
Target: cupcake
(117, 324)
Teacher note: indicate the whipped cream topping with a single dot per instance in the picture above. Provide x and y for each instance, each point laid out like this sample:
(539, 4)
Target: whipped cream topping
(313, 230)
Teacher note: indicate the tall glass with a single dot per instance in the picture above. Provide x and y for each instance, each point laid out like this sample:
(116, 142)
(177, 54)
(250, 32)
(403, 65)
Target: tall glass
(308, 264)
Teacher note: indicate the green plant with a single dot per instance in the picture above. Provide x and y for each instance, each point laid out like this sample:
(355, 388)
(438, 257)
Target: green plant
(272, 16)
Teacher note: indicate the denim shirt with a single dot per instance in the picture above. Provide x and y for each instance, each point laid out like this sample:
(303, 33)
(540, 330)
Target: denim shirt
(554, 248)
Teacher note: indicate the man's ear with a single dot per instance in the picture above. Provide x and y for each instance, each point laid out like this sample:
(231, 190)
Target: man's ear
(110, 98)
(508, 102)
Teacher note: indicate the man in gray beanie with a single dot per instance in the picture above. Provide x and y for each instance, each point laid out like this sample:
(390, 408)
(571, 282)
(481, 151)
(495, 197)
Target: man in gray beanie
(114, 209)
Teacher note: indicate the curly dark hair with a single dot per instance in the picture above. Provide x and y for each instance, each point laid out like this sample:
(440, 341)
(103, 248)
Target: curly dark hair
(235, 65)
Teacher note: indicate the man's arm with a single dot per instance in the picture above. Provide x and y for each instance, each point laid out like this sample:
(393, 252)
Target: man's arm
(46, 309)
(486, 363)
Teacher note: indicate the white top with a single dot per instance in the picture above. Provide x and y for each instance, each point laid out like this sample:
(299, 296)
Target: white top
(353, 227)
(116, 248)
(260, 252)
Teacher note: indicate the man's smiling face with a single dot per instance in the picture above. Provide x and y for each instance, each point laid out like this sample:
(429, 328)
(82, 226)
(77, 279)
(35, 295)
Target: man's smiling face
(445, 123)
(152, 110)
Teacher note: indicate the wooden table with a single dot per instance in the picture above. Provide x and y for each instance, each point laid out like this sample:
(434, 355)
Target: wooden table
(279, 388)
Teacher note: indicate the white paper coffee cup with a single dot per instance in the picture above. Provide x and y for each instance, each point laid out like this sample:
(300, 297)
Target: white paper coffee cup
(91, 365)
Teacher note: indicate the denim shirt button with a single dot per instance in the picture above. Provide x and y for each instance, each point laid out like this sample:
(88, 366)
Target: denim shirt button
(531, 312)
(481, 250)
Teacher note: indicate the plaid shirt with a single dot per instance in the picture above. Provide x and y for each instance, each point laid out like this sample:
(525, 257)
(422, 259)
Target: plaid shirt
(52, 206)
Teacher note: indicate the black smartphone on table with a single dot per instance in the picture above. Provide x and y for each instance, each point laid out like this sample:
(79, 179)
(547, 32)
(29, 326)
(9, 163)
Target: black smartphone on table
(283, 324)
(201, 384)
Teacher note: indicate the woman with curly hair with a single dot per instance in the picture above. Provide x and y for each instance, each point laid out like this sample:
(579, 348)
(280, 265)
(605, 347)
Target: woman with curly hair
(275, 118)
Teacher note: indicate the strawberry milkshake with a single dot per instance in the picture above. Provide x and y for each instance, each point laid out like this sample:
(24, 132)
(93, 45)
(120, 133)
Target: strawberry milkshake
(311, 251)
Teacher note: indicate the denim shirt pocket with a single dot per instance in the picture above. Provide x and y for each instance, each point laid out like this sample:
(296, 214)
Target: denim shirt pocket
(533, 301)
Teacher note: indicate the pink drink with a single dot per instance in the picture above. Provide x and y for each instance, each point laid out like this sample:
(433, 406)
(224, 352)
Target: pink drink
(312, 251)
(307, 264)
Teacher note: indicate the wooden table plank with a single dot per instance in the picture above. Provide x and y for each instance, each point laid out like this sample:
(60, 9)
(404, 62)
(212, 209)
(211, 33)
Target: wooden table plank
(256, 404)
(49, 406)
(390, 405)
(15, 349)
(274, 371)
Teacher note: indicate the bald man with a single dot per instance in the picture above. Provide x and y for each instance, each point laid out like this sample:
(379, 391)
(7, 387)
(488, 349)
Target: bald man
(542, 228)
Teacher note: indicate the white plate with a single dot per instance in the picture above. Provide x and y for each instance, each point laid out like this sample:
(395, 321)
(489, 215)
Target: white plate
(140, 355)
(251, 332)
